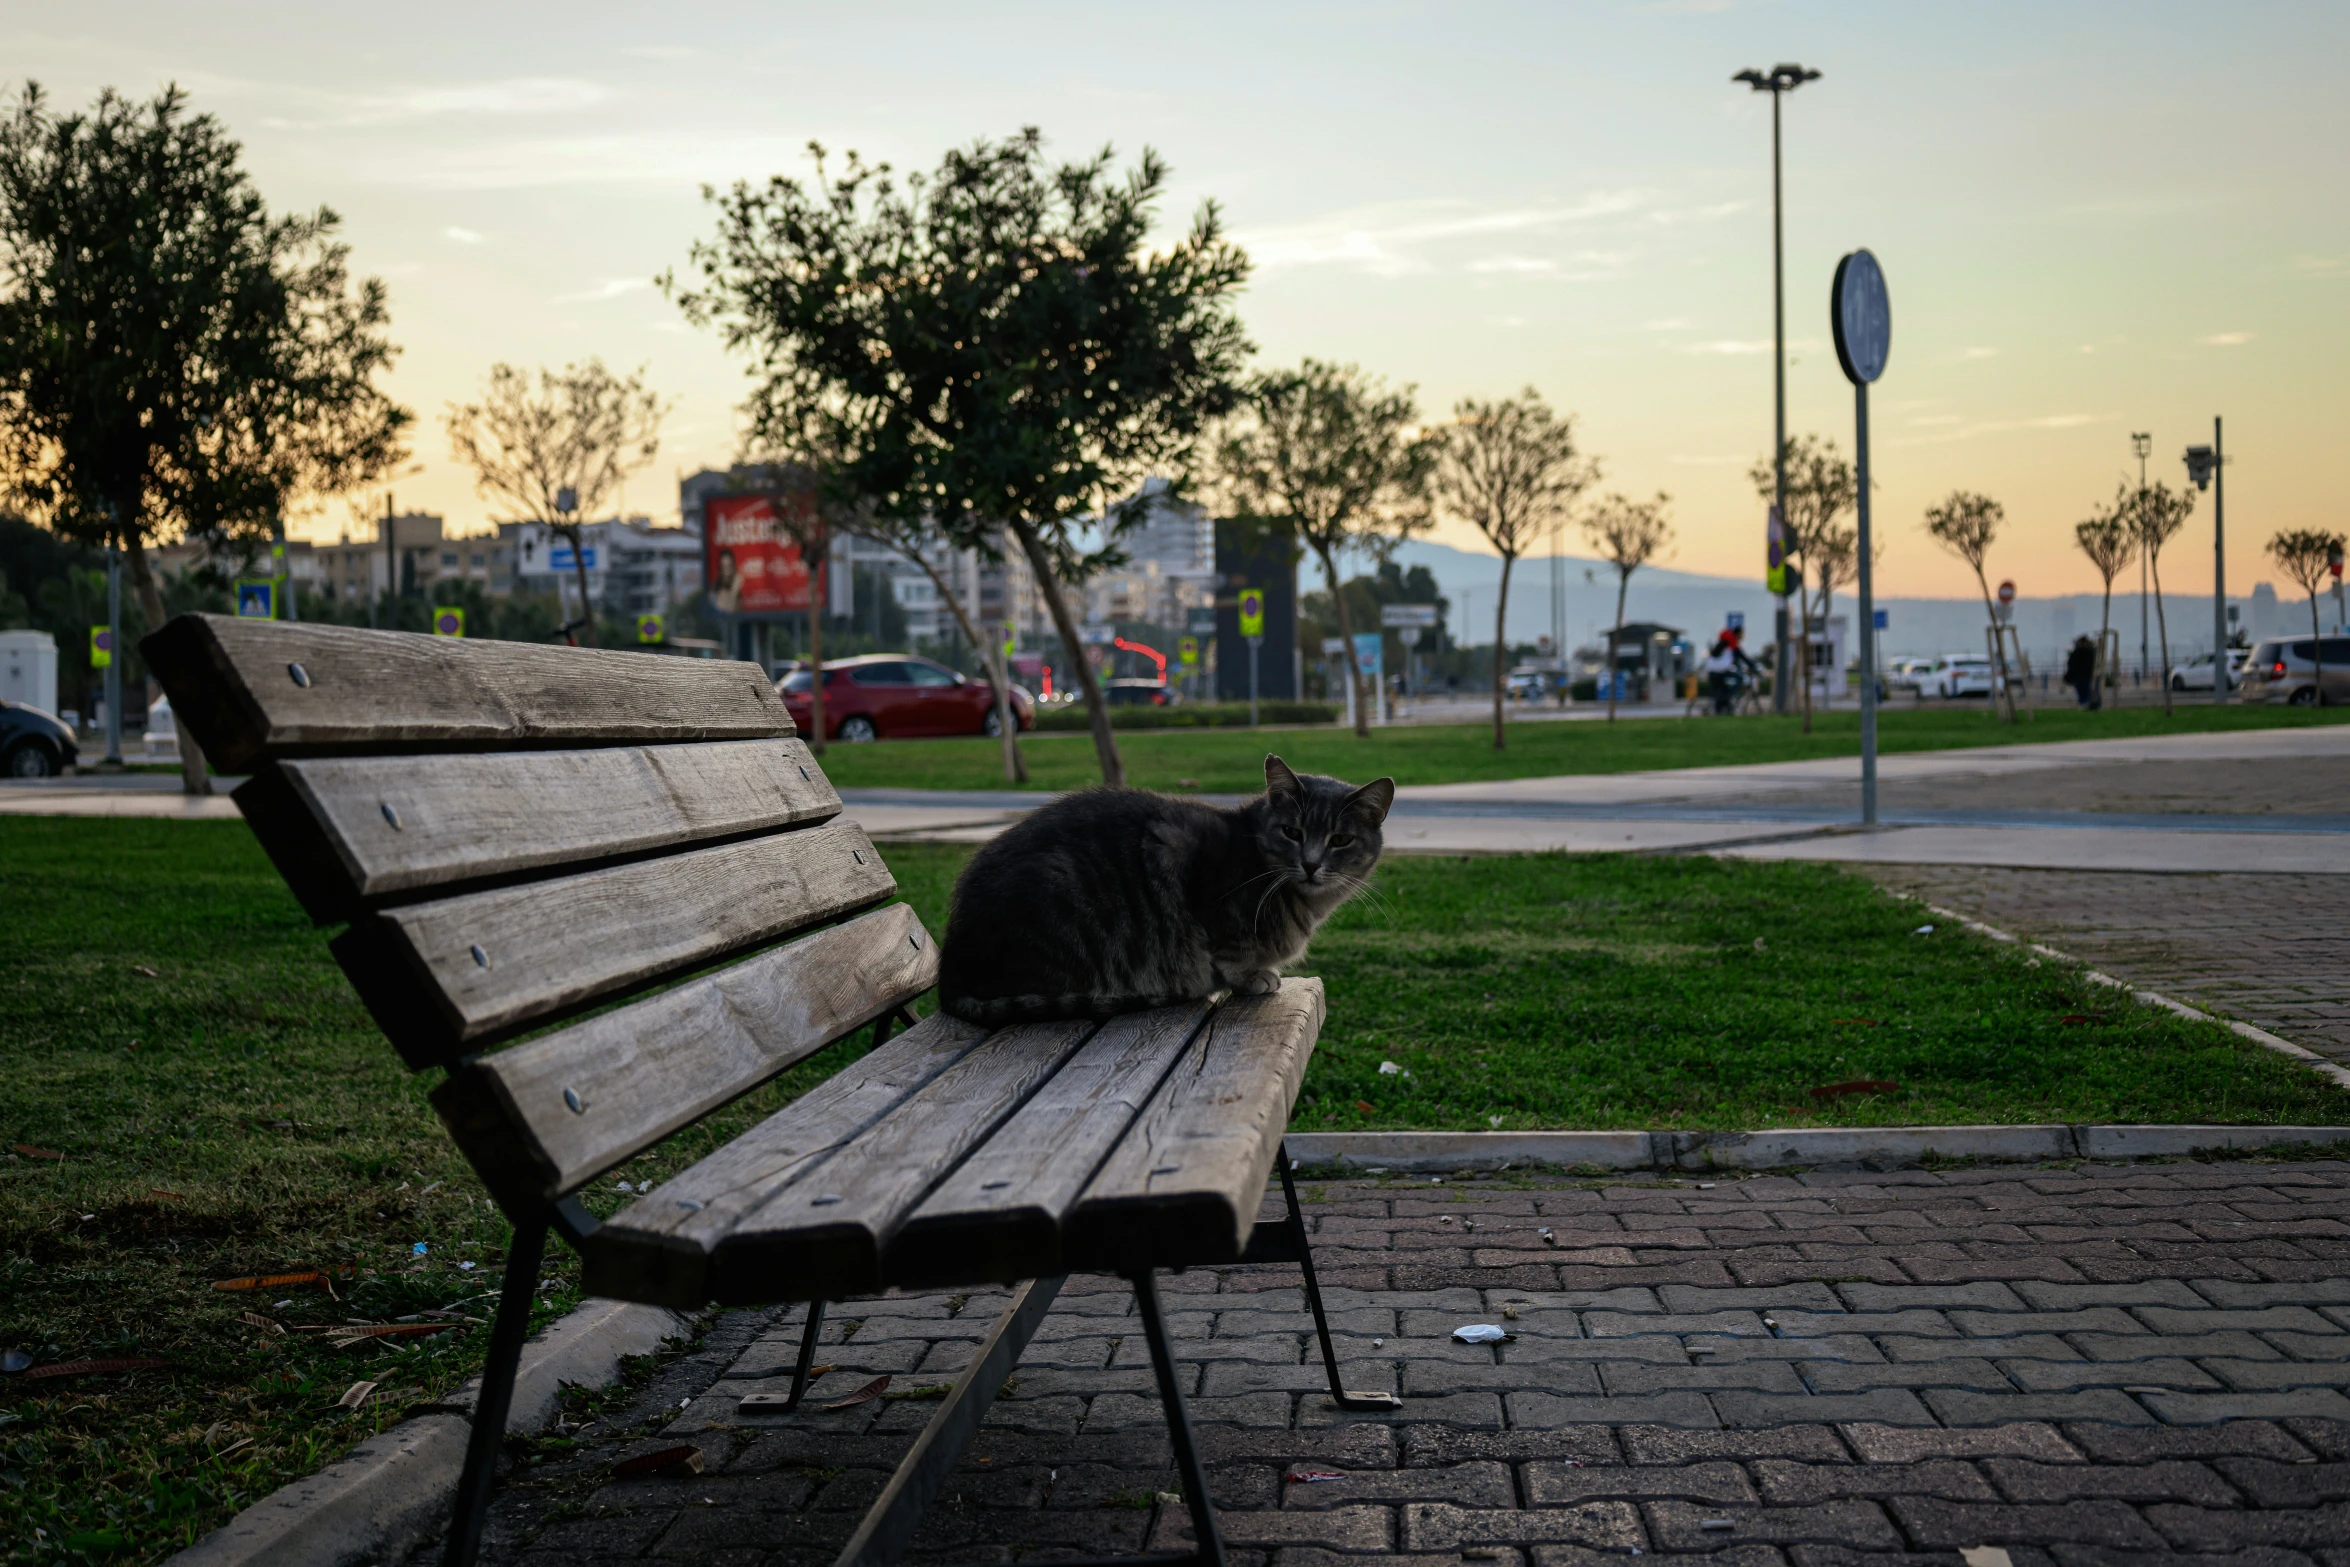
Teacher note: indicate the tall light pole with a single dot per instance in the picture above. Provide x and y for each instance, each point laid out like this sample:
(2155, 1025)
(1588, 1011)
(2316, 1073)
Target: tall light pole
(2141, 443)
(1778, 82)
(2207, 467)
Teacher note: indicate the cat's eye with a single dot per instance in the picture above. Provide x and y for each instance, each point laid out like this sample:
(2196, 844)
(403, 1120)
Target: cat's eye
(1339, 840)
(1293, 835)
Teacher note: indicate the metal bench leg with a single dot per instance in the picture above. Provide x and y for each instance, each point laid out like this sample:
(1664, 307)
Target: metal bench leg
(808, 1337)
(1207, 1543)
(1359, 1402)
(497, 1393)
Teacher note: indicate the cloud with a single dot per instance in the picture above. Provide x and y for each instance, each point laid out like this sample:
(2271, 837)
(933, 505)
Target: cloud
(520, 95)
(1533, 265)
(1721, 209)
(1389, 240)
(1730, 345)
(612, 288)
(1954, 429)
(2227, 339)
(1711, 461)
(1670, 324)
(1978, 353)
(464, 236)
(2322, 266)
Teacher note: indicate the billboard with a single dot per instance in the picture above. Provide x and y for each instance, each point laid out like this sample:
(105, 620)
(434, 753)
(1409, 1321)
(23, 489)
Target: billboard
(752, 565)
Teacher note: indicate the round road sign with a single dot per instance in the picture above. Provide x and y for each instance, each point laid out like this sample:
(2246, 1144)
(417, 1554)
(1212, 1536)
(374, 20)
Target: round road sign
(1862, 317)
(2007, 593)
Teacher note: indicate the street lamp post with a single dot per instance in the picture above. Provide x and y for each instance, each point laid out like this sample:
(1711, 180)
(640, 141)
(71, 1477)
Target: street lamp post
(2207, 466)
(2142, 443)
(1778, 82)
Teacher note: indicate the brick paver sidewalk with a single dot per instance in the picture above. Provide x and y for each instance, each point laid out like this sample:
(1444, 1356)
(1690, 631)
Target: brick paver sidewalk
(2102, 1365)
(2260, 948)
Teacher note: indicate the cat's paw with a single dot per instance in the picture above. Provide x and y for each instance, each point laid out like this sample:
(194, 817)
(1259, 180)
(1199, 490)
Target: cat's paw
(1263, 982)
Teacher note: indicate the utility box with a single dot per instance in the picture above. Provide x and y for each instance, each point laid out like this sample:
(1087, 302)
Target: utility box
(28, 669)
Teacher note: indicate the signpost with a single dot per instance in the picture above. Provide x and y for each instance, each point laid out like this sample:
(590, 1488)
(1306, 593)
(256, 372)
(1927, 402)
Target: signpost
(1862, 316)
(1371, 660)
(1252, 630)
(448, 620)
(113, 670)
(1407, 621)
(2007, 601)
(257, 598)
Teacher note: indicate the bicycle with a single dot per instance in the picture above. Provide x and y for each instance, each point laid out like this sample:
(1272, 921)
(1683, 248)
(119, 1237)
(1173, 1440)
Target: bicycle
(1745, 702)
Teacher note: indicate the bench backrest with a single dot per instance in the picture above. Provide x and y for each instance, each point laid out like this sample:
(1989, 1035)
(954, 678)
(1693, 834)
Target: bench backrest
(516, 835)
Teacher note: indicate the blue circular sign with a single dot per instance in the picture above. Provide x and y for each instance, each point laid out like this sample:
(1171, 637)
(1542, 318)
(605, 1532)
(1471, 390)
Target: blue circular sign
(1862, 316)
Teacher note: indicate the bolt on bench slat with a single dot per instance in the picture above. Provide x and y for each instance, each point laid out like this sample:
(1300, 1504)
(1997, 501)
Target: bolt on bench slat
(547, 1115)
(1184, 1185)
(257, 690)
(346, 830)
(998, 1216)
(457, 973)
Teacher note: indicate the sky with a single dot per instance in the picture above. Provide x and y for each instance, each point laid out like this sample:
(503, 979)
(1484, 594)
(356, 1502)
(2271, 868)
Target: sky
(2094, 219)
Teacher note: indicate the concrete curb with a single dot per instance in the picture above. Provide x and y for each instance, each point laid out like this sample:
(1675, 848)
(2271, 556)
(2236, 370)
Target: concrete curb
(1440, 1151)
(394, 1489)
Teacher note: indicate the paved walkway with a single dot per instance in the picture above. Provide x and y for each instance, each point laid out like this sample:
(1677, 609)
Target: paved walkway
(2091, 1367)
(2265, 950)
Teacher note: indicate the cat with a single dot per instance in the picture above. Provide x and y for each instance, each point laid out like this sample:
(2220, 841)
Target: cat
(1114, 900)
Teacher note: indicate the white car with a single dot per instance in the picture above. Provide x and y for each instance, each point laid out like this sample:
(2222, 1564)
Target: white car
(1956, 675)
(162, 736)
(1909, 674)
(2195, 673)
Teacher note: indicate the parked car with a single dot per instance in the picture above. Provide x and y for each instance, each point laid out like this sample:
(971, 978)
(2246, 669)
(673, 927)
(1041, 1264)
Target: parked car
(1138, 692)
(1909, 674)
(162, 736)
(1962, 674)
(2283, 670)
(2195, 673)
(895, 696)
(34, 743)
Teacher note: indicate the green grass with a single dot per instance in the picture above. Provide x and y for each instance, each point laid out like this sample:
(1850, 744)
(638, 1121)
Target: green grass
(235, 1111)
(1226, 761)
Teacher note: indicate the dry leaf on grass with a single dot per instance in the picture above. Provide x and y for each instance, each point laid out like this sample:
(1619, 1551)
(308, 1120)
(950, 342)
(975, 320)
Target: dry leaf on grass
(143, 969)
(348, 1337)
(171, 1196)
(30, 1152)
(321, 1277)
(254, 1319)
(1858, 1086)
(76, 1368)
(356, 1394)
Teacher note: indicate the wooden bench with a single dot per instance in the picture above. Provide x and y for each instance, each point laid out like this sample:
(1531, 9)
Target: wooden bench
(514, 838)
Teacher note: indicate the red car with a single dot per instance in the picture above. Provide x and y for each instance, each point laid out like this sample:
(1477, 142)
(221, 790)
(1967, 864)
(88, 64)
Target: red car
(890, 694)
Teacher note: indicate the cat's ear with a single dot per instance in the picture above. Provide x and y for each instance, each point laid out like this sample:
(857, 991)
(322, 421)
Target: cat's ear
(1280, 782)
(1374, 799)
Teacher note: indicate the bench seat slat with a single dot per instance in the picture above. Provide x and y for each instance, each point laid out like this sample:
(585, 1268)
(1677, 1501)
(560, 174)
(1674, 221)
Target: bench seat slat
(998, 1216)
(830, 1226)
(1184, 1185)
(658, 1249)
(640, 1072)
(455, 973)
(370, 827)
(358, 691)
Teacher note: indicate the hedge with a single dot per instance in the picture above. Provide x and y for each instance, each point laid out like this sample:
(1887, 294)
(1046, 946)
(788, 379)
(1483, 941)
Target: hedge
(1191, 715)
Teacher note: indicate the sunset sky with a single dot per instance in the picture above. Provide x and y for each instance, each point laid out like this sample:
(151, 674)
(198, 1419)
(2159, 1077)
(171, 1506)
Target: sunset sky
(2093, 219)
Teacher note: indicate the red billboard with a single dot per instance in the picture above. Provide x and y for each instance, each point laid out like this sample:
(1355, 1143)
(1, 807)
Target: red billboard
(751, 563)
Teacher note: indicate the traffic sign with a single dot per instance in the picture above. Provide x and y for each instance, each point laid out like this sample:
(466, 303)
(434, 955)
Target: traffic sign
(256, 599)
(1201, 622)
(1862, 316)
(1397, 616)
(1884, 620)
(2007, 593)
(1735, 620)
(101, 647)
(1252, 612)
(649, 628)
(1187, 651)
(448, 620)
(1097, 636)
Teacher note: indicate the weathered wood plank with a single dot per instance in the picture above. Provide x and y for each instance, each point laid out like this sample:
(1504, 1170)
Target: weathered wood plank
(395, 824)
(658, 1249)
(256, 690)
(1183, 1186)
(831, 1226)
(542, 1118)
(998, 1217)
(459, 972)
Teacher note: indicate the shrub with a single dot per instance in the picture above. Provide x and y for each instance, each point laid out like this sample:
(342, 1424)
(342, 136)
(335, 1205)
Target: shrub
(1191, 715)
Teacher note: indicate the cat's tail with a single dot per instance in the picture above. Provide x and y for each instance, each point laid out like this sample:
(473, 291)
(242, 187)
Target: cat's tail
(994, 1011)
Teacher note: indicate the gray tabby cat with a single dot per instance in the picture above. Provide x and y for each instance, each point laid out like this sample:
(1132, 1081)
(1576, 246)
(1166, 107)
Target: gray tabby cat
(1115, 899)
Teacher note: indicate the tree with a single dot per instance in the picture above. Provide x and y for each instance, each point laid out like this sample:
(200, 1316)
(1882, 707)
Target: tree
(1965, 524)
(2157, 513)
(583, 430)
(1508, 468)
(1821, 487)
(987, 347)
(1627, 534)
(2105, 537)
(1337, 458)
(2305, 556)
(174, 360)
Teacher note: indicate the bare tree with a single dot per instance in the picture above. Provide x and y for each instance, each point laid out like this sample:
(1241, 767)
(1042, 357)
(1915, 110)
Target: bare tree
(1508, 468)
(916, 540)
(2106, 538)
(1336, 457)
(1628, 535)
(2157, 513)
(1821, 487)
(1965, 524)
(2304, 555)
(582, 429)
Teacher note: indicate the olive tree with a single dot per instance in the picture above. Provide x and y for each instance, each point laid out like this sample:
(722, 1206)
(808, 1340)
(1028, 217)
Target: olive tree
(989, 346)
(2157, 513)
(1965, 524)
(1628, 535)
(2106, 538)
(175, 360)
(2305, 555)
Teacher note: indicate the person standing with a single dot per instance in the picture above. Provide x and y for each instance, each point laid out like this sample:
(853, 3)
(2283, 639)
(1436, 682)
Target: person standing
(2080, 672)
